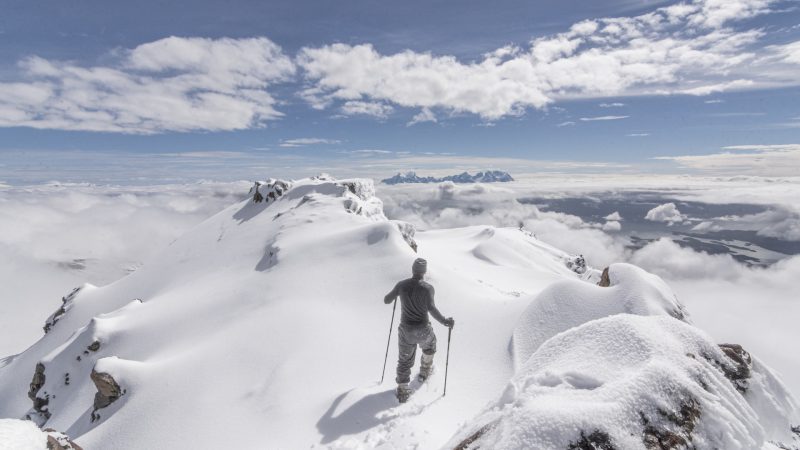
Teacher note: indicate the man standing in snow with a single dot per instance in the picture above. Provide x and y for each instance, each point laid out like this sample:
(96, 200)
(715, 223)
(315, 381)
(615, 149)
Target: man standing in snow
(416, 299)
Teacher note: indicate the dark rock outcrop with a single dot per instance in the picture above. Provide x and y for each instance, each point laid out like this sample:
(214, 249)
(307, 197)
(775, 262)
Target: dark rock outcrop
(66, 304)
(108, 391)
(671, 429)
(738, 367)
(274, 189)
(39, 403)
(577, 264)
(605, 280)
(596, 440)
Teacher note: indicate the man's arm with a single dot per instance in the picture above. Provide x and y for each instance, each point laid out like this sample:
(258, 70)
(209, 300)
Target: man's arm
(391, 296)
(448, 322)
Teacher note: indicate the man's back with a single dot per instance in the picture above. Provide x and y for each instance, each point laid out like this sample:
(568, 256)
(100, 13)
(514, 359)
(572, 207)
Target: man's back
(416, 298)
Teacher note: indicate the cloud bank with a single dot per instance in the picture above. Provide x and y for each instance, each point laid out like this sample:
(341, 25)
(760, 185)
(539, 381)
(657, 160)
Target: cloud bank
(769, 160)
(54, 238)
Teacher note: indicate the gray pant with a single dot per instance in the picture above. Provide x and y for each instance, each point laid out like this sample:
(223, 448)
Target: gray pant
(410, 337)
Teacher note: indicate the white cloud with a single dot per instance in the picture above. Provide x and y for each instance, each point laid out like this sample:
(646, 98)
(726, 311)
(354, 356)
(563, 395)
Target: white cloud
(611, 105)
(767, 160)
(426, 115)
(689, 48)
(301, 142)
(568, 123)
(173, 84)
(667, 212)
(612, 225)
(707, 89)
(368, 152)
(706, 226)
(602, 118)
(637, 134)
(713, 101)
(615, 216)
(374, 109)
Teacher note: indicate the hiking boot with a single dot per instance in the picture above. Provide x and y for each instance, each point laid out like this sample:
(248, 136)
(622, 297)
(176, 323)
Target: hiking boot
(403, 392)
(425, 367)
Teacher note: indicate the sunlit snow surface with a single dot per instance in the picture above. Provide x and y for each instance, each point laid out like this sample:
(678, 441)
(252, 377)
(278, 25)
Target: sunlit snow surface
(264, 327)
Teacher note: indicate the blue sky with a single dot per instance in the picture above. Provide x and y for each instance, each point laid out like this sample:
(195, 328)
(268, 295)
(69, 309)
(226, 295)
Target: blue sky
(704, 86)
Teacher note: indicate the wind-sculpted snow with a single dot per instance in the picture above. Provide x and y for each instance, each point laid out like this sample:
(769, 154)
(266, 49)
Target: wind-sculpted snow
(615, 367)
(264, 327)
(570, 303)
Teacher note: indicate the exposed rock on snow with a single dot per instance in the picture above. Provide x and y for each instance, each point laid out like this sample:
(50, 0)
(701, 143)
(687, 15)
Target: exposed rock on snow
(738, 367)
(273, 190)
(59, 441)
(408, 231)
(66, 304)
(605, 281)
(108, 391)
(577, 264)
(40, 413)
(596, 440)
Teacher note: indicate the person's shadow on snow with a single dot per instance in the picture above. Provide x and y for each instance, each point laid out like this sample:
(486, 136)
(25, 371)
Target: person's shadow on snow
(359, 417)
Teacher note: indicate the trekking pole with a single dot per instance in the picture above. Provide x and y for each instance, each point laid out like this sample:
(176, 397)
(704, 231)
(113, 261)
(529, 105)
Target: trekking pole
(385, 358)
(447, 361)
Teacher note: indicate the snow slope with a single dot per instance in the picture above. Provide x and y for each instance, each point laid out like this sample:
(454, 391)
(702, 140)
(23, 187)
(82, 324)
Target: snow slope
(264, 327)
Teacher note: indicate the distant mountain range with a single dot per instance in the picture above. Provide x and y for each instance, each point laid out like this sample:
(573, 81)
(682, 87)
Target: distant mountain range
(489, 176)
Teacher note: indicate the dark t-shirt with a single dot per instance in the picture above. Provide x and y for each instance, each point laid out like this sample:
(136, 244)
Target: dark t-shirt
(416, 298)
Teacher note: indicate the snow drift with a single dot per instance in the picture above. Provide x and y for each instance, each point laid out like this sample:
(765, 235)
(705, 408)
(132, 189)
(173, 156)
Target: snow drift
(264, 327)
(618, 367)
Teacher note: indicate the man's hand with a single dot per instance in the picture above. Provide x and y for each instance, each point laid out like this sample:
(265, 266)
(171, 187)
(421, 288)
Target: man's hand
(449, 322)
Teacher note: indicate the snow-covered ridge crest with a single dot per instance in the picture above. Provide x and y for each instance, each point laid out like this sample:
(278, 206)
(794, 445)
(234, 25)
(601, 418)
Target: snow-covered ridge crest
(569, 303)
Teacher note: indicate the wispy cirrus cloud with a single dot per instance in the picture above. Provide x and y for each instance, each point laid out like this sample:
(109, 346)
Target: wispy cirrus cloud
(767, 160)
(374, 109)
(302, 142)
(602, 118)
